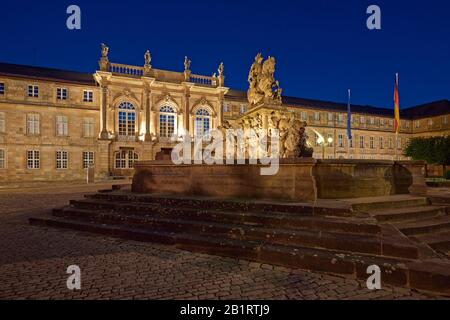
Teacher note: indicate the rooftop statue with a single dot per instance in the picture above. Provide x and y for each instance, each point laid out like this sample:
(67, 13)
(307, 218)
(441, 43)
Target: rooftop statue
(105, 51)
(262, 84)
(147, 58)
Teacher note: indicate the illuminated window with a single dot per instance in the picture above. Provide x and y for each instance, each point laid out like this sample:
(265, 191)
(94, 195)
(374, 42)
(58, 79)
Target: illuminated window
(125, 159)
(202, 123)
(166, 121)
(127, 120)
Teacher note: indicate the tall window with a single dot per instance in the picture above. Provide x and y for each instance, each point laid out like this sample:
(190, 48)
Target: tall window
(33, 159)
(88, 159)
(125, 159)
(166, 121)
(361, 142)
(61, 93)
(316, 116)
(362, 120)
(2, 159)
(88, 96)
(2, 88)
(88, 127)
(399, 143)
(381, 143)
(62, 127)
(391, 143)
(62, 159)
(33, 91)
(372, 143)
(341, 141)
(330, 116)
(2, 122)
(330, 138)
(303, 115)
(202, 123)
(243, 109)
(33, 124)
(127, 120)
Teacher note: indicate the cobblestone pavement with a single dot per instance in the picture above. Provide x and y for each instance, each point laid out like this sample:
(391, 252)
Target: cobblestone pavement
(33, 263)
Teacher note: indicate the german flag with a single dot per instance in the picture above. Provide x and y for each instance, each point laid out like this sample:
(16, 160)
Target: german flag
(396, 107)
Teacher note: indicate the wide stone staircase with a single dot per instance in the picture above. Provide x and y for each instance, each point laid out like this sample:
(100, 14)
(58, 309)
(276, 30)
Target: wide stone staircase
(398, 234)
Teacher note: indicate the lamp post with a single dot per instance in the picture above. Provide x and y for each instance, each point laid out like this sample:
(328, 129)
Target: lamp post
(328, 142)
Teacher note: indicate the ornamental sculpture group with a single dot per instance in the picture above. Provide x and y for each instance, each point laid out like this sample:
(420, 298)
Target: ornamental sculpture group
(264, 89)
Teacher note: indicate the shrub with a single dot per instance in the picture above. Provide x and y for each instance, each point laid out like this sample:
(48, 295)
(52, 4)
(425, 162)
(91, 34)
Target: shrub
(447, 175)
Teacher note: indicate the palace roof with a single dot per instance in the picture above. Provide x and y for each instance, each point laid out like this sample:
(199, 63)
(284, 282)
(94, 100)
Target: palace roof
(431, 109)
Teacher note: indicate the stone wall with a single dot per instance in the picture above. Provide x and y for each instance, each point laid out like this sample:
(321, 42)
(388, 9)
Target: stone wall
(297, 179)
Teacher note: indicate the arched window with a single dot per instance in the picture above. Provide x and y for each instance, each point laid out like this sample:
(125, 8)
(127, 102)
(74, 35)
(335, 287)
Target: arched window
(127, 120)
(125, 159)
(202, 122)
(166, 121)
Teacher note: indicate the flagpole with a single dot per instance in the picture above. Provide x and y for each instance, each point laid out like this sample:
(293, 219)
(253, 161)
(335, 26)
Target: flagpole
(349, 138)
(398, 120)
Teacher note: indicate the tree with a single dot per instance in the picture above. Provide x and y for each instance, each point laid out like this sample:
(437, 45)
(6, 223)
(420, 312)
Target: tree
(434, 150)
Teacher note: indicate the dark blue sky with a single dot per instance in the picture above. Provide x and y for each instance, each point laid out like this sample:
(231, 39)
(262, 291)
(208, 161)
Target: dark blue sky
(322, 47)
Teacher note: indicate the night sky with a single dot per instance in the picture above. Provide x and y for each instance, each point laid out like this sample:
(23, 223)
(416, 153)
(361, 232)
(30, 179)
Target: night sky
(322, 47)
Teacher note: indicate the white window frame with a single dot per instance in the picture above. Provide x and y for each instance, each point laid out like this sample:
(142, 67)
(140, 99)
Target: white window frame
(88, 159)
(33, 124)
(126, 159)
(372, 142)
(361, 142)
(167, 117)
(2, 122)
(62, 126)
(62, 160)
(341, 140)
(33, 91)
(202, 123)
(88, 127)
(33, 159)
(61, 93)
(88, 96)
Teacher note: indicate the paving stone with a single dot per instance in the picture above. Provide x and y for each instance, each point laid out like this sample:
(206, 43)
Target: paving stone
(33, 262)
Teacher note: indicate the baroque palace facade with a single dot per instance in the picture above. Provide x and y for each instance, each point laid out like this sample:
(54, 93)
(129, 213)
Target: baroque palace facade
(54, 124)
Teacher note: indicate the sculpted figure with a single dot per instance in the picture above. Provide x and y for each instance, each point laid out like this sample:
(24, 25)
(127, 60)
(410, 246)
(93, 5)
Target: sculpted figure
(105, 51)
(147, 58)
(221, 69)
(187, 63)
(262, 84)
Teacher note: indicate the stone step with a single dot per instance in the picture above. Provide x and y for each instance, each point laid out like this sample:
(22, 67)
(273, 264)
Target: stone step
(428, 276)
(365, 244)
(222, 204)
(437, 224)
(407, 214)
(283, 220)
(439, 241)
(387, 202)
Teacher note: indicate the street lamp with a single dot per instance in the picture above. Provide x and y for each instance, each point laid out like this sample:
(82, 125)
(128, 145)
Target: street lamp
(321, 141)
